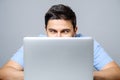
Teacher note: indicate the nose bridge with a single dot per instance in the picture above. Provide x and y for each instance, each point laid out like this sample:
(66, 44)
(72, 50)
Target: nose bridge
(58, 34)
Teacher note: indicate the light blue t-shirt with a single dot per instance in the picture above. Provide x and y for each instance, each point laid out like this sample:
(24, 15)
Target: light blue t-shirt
(101, 58)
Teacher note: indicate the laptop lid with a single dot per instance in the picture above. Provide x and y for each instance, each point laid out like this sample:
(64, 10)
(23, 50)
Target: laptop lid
(58, 58)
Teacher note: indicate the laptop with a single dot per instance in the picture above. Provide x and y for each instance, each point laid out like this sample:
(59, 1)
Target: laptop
(48, 58)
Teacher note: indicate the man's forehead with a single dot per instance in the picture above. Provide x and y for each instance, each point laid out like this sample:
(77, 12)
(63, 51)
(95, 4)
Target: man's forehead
(59, 24)
(58, 29)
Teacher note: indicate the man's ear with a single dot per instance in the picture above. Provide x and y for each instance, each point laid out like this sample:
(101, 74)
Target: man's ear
(76, 28)
(45, 29)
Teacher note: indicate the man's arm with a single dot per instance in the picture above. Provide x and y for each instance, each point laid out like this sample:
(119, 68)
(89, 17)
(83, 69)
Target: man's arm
(11, 71)
(110, 72)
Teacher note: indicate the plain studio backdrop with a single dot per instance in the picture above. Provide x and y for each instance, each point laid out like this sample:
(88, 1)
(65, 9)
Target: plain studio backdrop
(99, 19)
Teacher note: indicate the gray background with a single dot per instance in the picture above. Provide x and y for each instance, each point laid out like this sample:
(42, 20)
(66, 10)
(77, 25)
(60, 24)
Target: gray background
(97, 18)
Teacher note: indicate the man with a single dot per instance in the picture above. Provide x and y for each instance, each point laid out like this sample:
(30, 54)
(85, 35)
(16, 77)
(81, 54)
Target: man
(60, 21)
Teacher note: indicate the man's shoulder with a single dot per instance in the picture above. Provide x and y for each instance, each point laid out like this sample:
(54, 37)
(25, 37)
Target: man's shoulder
(79, 35)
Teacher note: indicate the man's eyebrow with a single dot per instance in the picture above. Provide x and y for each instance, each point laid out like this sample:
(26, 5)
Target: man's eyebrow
(51, 29)
(66, 30)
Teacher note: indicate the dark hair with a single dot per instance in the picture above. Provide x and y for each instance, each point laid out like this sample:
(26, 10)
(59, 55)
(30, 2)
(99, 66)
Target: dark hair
(60, 11)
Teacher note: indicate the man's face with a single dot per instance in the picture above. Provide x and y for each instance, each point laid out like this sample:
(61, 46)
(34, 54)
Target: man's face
(60, 28)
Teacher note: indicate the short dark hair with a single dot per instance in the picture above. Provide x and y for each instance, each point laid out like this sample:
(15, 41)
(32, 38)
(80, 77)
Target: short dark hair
(60, 11)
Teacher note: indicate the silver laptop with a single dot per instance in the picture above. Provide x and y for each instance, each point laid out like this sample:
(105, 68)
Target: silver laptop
(58, 58)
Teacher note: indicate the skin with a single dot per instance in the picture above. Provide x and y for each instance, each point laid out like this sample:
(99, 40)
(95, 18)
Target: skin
(11, 71)
(59, 28)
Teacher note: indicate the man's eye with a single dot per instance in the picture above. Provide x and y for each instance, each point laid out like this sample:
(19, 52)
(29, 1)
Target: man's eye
(66, 31)
(52, 31)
